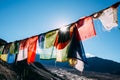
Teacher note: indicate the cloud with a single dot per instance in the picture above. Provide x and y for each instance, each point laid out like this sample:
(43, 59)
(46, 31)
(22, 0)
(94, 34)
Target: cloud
(88, 55)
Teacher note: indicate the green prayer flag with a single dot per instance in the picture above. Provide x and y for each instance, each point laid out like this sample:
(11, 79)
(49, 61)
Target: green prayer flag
(1, 49)
(48, 53)
(16, 50)
(50, 38)
(12, 47)
(62, 54)
(6, 48)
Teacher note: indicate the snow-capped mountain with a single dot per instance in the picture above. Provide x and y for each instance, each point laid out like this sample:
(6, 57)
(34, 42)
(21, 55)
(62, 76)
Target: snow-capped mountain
(88, 55)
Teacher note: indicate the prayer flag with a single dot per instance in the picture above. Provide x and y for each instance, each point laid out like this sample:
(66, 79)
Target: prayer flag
(6, 48)
(11, 58)
(46, 44)
(62, 42)
(13, 50)
(76, 63)
(76, 49)
(40, 47)
(16, 49)
(48, 53)
(79, 65)
(37, 58)
(12, 47)
(109, 18)
(50, 38)
(62, 54)
(76, 54)
(3, 57)
(1, 49)
(4, 54)
(86, 28)
(23, 50)
(32, 49)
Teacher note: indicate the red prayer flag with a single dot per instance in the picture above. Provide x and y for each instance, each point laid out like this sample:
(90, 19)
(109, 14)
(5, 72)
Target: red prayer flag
(23, 48)
(32, 49)
(86, 28)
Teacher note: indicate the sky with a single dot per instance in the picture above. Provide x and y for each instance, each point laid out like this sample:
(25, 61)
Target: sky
(20, 19)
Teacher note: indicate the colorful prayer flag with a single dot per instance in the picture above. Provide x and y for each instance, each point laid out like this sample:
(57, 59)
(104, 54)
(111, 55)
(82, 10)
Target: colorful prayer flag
(62, 54)
(40, 47)
(4, 54)
(76, 49)
(47, 52)
(76, 54)
(64, 36)
(62, 42)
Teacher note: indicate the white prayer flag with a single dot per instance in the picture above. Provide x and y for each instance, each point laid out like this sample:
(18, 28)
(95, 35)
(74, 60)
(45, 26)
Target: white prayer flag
(80, 65)
(23, 50)
(109, 18)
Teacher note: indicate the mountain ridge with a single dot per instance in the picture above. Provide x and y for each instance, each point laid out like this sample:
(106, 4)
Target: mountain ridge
(95, 64)
(103, 65)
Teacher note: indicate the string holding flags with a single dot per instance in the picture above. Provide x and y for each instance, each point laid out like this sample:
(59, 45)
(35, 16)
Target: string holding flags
(62, 44)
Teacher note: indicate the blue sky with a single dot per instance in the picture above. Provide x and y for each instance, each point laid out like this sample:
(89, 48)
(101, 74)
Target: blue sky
(20, 19)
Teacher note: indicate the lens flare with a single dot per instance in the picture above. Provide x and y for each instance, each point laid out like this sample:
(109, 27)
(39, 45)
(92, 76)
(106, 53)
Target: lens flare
(63, 29)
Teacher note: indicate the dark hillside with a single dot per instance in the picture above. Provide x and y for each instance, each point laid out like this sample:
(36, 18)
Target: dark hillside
(103, 65)
(23, 71)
